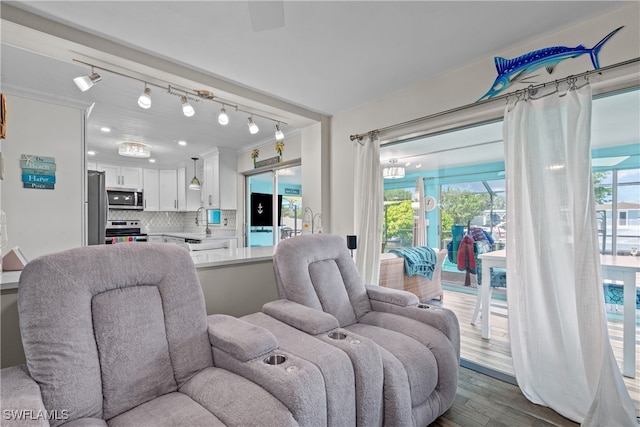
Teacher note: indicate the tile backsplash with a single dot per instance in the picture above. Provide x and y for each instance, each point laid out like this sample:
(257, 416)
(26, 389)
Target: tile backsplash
(173, 220)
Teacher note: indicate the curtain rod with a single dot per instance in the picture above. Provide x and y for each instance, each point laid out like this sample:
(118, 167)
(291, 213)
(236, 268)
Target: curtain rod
(586, 74)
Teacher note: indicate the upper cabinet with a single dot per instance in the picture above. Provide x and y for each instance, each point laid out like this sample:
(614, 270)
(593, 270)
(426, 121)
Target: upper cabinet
(220, 181)
(188, 200)
(151, 191)
(121, 176)
(168, 183)
(163, 189)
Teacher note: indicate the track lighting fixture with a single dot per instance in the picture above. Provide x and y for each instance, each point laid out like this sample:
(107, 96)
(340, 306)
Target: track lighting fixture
(144, 101)
(195, 182)
(279, 134)
(85, 83)
(223, 119)
(253, 127)
(187, 109)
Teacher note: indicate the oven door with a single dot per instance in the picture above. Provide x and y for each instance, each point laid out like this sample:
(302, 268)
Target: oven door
(120, 198)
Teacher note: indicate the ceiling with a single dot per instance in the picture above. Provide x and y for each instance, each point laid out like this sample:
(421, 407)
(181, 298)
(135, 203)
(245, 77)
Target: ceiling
(322, 57)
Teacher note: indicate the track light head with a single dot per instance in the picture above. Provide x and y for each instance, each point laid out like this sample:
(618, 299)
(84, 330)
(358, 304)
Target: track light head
(85, 83)
(144, 101)
(187, 109)
(279, 134)
(223, 119)
(253, 128)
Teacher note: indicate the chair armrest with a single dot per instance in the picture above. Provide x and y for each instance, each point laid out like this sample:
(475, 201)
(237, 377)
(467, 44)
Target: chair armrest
(297, 383)
(238, 338)
(391, 296)
(21, 398)
(301, 317)
(440, 318)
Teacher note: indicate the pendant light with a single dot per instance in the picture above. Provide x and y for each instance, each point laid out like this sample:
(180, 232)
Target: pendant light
(195, 182)
(393, 171)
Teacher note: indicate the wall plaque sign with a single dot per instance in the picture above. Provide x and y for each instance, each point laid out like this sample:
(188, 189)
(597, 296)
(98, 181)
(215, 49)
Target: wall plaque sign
(38, 171)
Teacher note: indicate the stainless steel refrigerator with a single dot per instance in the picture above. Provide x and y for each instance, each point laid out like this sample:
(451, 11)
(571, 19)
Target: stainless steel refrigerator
(97, 209)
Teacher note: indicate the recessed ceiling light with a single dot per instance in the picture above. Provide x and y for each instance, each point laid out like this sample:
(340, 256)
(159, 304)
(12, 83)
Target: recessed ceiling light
(419, 165)
(408, 164)
(152, 160)
(91, 153)
(105, 129)
(181, 142)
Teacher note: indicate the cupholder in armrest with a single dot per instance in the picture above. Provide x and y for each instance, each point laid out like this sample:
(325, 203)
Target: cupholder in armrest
(423, 306)
(275, 359)
(335, 335)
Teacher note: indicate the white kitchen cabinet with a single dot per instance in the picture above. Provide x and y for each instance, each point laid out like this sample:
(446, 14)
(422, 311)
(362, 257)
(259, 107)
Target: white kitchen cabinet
(168, 183)
(188, 200)
(151, 192)
(171, 239)
(182, 188)
(220, 181)
(121, 176)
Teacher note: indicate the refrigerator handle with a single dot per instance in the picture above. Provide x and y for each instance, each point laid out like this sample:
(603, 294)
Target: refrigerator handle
(106, 207)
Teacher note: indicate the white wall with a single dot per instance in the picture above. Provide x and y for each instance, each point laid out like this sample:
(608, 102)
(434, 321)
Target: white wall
(292, 147)
(44, 221)
(461, 87)
(312, 171)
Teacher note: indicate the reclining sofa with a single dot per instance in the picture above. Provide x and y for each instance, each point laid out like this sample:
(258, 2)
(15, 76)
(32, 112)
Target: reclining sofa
(118, 335)
(419, 344)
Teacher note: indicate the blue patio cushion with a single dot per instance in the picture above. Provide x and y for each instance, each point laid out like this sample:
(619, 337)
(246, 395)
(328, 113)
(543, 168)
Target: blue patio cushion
(614, 294)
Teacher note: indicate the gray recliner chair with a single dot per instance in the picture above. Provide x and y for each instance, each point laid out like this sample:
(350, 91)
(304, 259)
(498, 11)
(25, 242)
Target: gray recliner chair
(419, 344)
(118, 335)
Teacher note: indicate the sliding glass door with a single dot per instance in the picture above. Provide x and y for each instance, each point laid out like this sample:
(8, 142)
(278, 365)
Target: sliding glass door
(273, 216)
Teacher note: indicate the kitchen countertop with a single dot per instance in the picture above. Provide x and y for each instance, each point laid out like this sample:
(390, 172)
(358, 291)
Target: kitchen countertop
(196, 236)
(201, 259)
(9, 279)
(225, 256)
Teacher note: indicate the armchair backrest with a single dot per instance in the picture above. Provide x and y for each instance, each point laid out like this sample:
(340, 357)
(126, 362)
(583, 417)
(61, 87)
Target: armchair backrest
(106, 328)
(317, 271)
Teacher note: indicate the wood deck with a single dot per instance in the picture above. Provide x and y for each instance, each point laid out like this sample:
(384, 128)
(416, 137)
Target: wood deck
(496, 355)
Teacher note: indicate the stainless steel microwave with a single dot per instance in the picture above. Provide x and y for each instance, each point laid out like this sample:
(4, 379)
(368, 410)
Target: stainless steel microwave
(124, 198)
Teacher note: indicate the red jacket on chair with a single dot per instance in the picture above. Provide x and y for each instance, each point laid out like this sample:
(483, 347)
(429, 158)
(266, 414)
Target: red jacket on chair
(466, 257)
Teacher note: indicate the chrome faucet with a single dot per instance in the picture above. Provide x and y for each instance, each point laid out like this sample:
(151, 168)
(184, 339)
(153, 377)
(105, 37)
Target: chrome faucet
(206, 212)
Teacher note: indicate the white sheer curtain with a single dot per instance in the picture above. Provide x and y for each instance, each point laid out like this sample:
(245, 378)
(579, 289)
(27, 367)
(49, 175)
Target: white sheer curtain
(420, 228)
(557, 325)
(368, 208)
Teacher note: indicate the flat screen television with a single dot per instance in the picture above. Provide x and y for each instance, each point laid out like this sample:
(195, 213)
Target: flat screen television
(262, 209)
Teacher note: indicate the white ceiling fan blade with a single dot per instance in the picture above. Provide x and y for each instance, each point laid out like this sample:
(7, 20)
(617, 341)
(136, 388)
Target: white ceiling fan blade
(266, 15)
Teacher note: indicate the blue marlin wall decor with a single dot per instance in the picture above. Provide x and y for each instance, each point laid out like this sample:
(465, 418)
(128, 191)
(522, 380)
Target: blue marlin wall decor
(513, 70)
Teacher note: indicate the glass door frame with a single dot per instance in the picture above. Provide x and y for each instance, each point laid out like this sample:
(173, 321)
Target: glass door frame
(274, 185)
